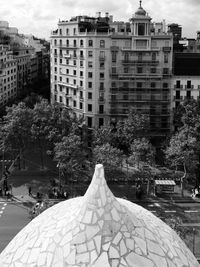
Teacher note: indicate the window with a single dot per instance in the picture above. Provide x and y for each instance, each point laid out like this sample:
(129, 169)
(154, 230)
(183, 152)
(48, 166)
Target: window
(74, 30)
(140, 56)
(60, 31)
(74, 43)
(55, 97)
(55, 69)
(165, 85)
(89, 74)
(102, 43)
(81, 73)
(126, 57)
(153, 56)
(101, 86)
(81, 42)
(74, 81)
(90, 85)
(80, 105)
(90, 53)
(165, 71)
(67, 71)
(67, 31)
(188, 84)
(102, 65)
(101, 75)
(153, 70)
(81, 94)
(139, 85)
(89, 121)
(139, 70)
(166, 58)
(101, 122)
(55, 42)
(74, 72)
(102, 55)
(126, 70)
(60, 79)
(89, 107)
(74, 62)
(90, 64)
(61, 99)
(60, 60)
(141, 29)
(81, 63)
(89, 95)
(60, 87)
(188, 94)
(74, 103)
(74, 92)
(153, 85)
(81, 53)
(178, 84)
(114, 56)
(81, 83)
(55, 60)
(90, 43)
(101, 109)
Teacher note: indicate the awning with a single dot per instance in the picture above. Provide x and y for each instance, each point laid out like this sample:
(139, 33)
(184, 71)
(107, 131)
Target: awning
(165, 182)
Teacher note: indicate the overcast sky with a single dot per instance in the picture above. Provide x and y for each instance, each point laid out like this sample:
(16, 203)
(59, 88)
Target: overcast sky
(39, 17)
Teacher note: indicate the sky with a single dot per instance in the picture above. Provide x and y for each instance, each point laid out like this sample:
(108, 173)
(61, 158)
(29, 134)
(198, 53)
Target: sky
(39, 17)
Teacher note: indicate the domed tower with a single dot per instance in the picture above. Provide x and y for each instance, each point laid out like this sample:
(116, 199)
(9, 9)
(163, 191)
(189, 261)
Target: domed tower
(97, 230)
(141, 22)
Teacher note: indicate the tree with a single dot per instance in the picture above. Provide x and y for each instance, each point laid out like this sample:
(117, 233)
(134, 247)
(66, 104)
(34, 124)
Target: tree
(182, 151)
(69, 155)
(136, 125)
(109, 156)
(16, 133)
(103, 135)
(142, 151)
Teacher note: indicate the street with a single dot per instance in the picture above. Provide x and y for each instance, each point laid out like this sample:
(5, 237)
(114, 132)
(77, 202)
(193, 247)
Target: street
(13, 217)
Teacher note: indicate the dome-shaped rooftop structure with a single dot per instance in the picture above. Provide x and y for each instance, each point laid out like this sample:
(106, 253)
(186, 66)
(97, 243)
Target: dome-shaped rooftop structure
(140, 11)
(97, 230)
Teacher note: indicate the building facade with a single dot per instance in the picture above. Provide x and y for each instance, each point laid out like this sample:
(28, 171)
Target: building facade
(102, 69)
(8, 76)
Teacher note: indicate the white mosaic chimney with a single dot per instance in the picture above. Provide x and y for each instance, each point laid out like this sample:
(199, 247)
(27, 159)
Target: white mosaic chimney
(97, 230)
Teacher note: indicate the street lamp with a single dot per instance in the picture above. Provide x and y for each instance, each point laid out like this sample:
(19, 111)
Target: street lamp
(59, 175)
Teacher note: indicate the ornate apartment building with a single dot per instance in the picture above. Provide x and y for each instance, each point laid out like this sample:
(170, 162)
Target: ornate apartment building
(8, 76)
(101, 68)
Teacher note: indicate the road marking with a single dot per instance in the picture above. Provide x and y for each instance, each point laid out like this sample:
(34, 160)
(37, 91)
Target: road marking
(191, 211)
(5, 204)
(170, 211)
(152, 210)
(1, 212)
(3, 208)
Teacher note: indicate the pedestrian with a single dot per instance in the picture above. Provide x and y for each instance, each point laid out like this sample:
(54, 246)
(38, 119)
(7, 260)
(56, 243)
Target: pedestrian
(30, 191)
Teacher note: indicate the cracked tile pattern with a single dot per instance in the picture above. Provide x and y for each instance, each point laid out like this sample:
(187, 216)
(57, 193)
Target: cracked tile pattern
(97, 230)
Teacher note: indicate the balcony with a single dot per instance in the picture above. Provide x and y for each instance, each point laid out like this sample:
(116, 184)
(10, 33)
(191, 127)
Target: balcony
(189, 87)
(102, 58)
(102, 89)
(114, 48)
(101, 100)
(178, 98)
(68, 95)
(140, 62)
(67, 56)
(178, 86)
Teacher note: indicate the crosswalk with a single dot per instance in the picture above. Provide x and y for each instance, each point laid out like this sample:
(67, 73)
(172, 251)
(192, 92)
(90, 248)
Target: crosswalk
(2, 208)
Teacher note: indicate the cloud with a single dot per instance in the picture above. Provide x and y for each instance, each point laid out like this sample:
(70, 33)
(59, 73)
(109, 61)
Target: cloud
(40, 16)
